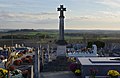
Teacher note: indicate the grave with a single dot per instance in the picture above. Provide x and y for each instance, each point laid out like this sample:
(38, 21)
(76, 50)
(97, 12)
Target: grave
(90, 53)
(100, 64)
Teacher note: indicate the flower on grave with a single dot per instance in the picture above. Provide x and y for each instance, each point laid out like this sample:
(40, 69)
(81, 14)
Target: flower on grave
(69, 59)
(93, 72)
(72, 59)
(30, 51)
(77, 72)
(113, 73)
(15, 56)
(73, 66)
(12, 68)
(23, 59)
(16, 74)
(20, 54)
(3, 73)
(25, 51)
(28, 60)
(17, 62)
(30, 57)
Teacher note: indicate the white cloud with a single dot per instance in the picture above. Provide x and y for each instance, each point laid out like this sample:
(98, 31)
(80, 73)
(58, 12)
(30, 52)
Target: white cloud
(110, 14)
(87, 18)
(110, 3)
(27, 17)
(5, 5)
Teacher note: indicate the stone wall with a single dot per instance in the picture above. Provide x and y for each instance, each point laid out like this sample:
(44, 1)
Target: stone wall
(102, 69)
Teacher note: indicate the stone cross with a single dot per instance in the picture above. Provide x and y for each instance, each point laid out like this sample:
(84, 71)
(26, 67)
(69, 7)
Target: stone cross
(61, 22)
(61, 9)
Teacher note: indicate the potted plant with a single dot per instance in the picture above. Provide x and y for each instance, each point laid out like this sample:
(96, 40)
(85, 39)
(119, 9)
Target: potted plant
(113, 73)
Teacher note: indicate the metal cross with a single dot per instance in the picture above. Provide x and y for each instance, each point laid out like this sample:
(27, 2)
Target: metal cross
(61, 9)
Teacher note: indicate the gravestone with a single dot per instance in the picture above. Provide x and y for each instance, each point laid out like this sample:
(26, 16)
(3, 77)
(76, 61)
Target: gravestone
(90, 53)
(101, 64)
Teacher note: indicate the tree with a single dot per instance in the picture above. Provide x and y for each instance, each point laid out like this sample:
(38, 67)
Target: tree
(99, 44)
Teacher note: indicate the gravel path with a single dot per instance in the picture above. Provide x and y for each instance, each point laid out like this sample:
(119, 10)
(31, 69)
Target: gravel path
(61, 74)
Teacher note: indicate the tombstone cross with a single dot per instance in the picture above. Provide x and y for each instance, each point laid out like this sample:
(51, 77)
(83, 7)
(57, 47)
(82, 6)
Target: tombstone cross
(61, 9)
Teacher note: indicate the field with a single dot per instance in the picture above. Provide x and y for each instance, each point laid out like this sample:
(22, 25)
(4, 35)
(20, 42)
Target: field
(51, 36)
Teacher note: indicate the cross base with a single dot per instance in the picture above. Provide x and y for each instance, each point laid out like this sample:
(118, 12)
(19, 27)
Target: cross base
(61, 42)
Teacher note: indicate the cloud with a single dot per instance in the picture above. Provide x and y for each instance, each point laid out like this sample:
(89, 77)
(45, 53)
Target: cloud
(110, 3)
(99, 16)
(48, 18)
(27, 17)
(5, 5)
(110, 13)
(85, 17)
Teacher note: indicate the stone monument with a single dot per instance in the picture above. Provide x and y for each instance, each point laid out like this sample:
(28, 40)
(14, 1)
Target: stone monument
(61, 43)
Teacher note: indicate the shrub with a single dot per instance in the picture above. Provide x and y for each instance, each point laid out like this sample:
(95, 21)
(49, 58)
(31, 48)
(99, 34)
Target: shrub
(73, 66)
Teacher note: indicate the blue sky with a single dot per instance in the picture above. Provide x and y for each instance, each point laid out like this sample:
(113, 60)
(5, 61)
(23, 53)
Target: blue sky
(42, 14)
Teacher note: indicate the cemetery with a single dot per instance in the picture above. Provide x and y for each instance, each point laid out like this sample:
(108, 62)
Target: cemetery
(20, 61)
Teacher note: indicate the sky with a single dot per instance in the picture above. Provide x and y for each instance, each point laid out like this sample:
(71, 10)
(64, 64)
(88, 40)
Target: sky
(42, 14)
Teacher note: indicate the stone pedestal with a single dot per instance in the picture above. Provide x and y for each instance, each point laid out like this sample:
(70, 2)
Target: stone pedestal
(61, 50)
